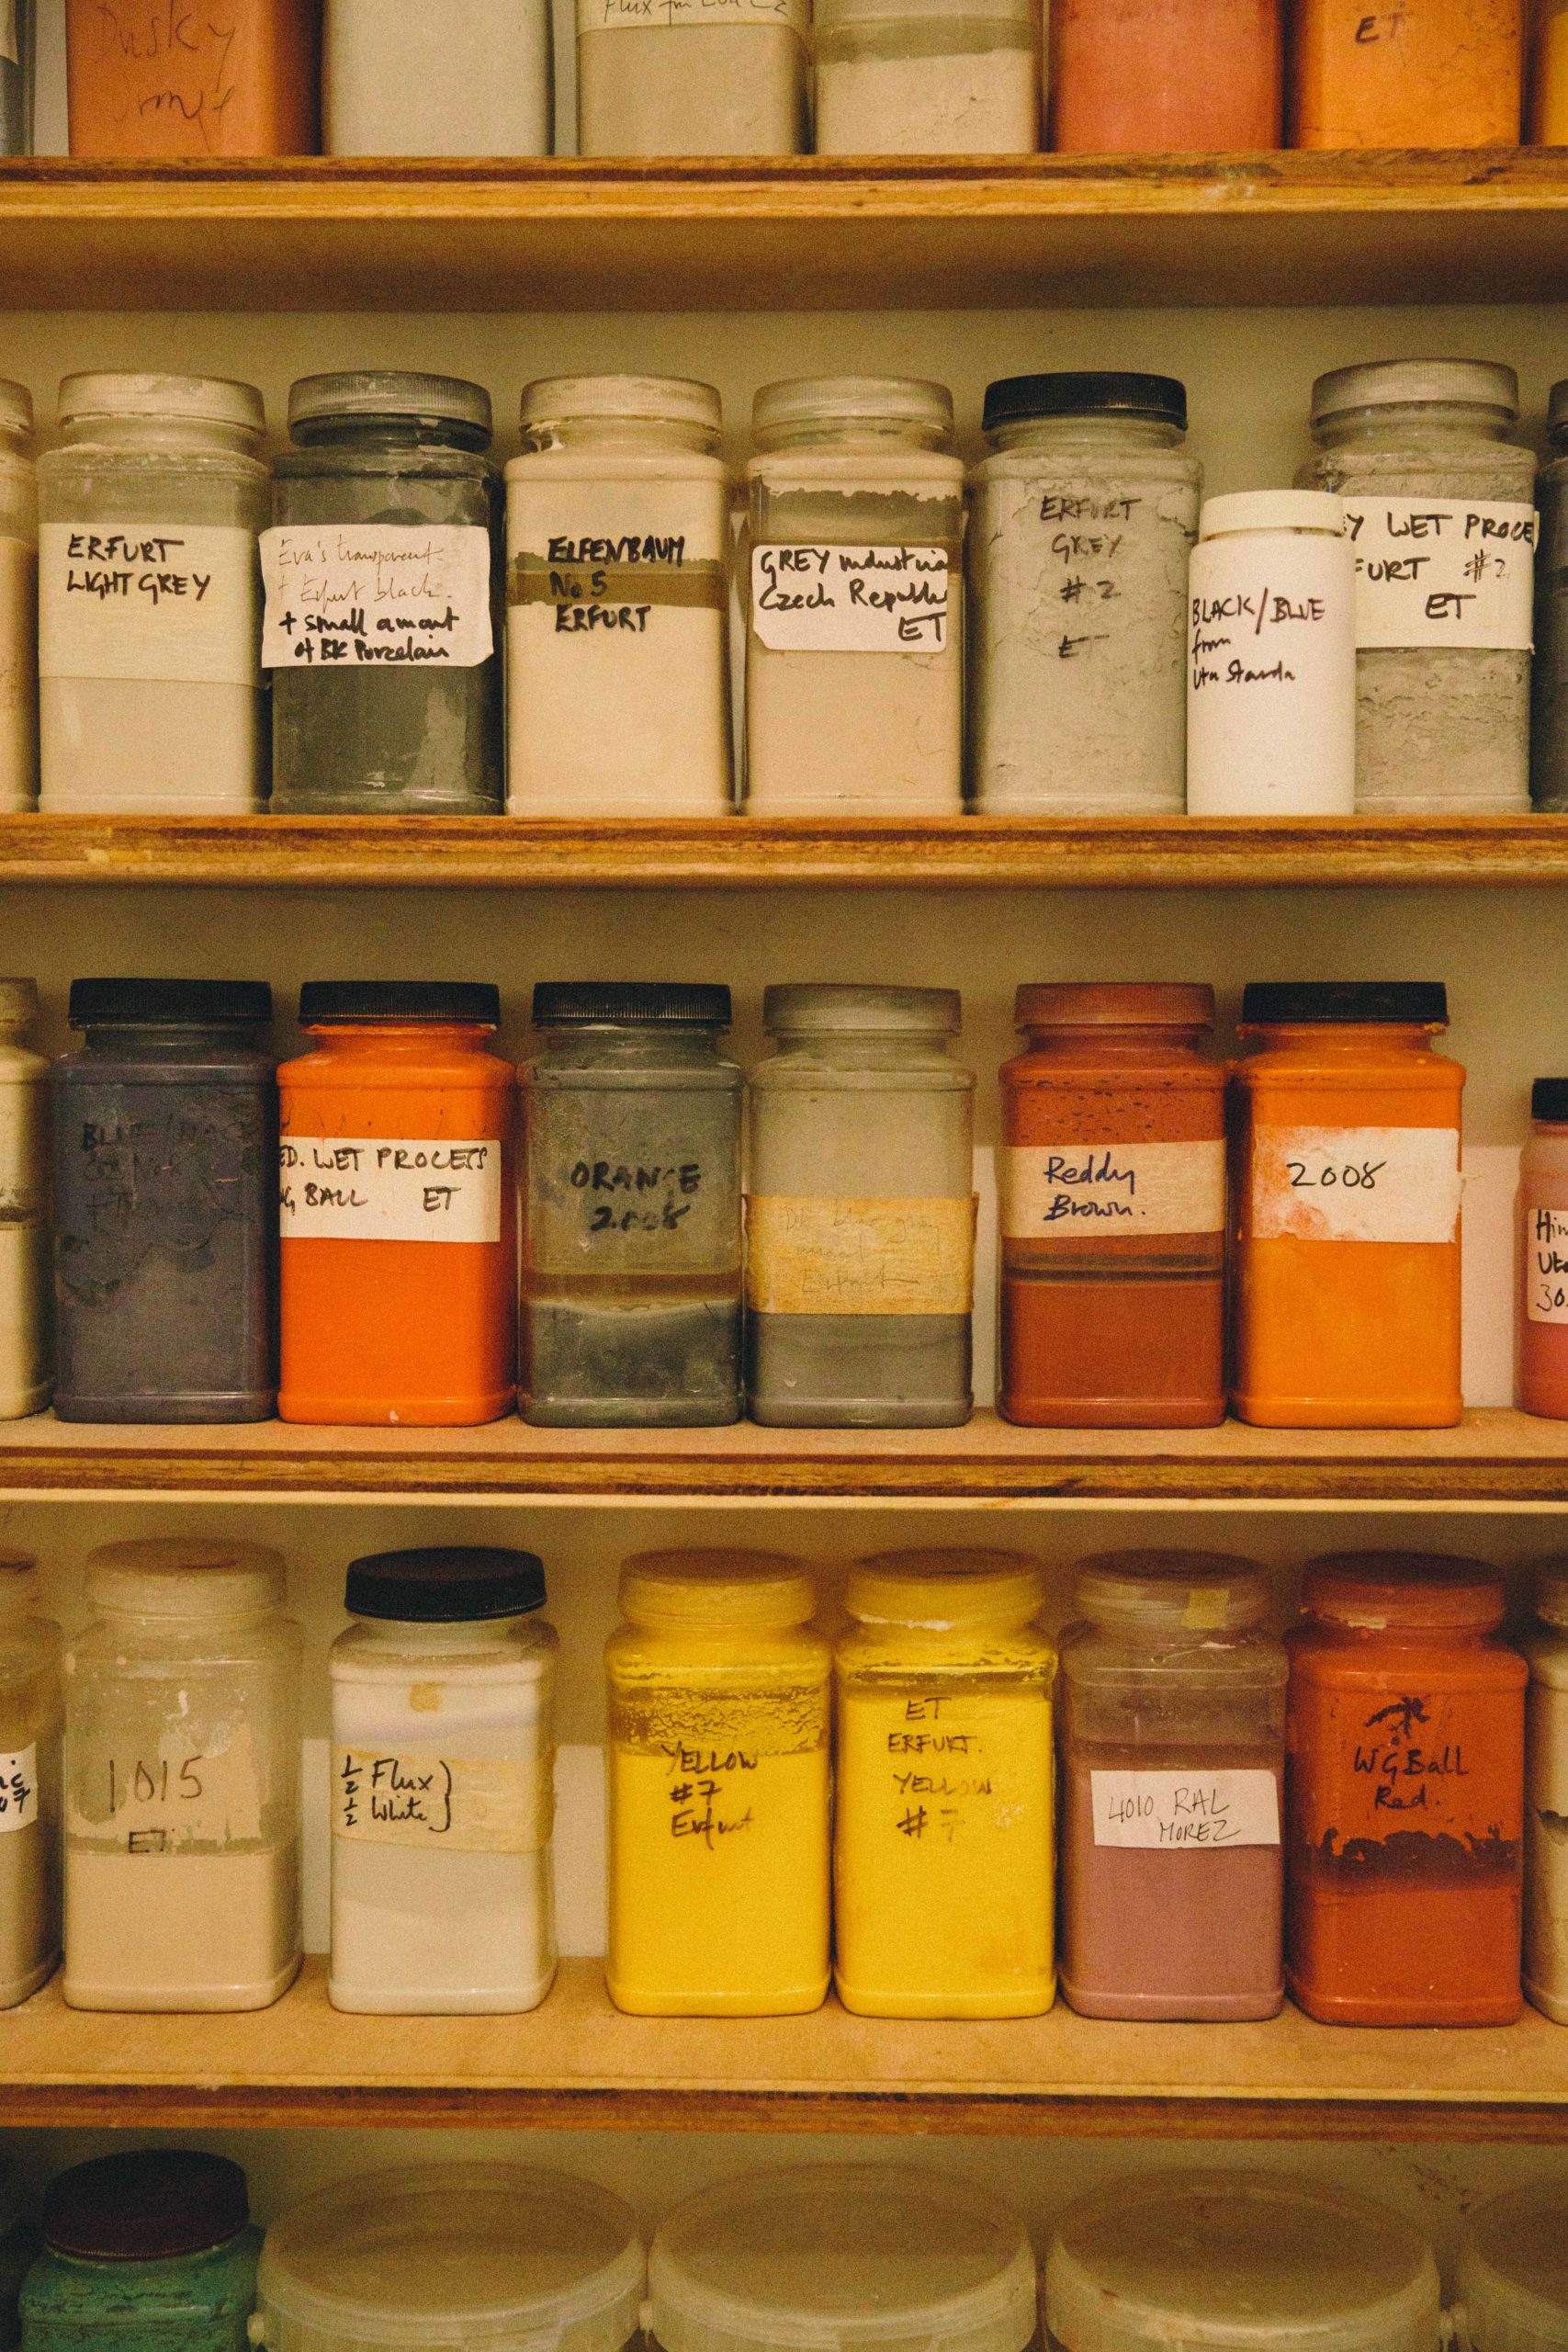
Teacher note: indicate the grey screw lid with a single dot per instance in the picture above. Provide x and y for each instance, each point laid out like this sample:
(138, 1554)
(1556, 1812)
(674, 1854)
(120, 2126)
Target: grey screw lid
(1400, 383)
(390, 391)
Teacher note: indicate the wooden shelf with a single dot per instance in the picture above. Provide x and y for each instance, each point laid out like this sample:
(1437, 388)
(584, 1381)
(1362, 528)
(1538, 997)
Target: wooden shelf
(814, 233)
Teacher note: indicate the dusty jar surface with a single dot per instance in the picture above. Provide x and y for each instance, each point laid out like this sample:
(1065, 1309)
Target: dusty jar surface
(148, 2251)
(729, 79)
(927, 77)
(457, 77)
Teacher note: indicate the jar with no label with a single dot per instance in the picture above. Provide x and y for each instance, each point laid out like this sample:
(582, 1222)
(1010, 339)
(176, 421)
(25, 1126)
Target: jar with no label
(31, 1722)
(1511, 2292)
(18, 600)
(435, 77)
(1158, 77)
(144, 2252)
(927, 77)
(25, 1337)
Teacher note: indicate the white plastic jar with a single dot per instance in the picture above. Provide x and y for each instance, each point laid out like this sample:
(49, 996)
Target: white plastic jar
(435, 77)
(148, 610)
(25, 1273)
(19, 599)
(617, 535)
(854, 641)
(927, 77)
(30, 1712)
(443, 1785)
(692, 77)
(1512, 2273)
(1546, 1797)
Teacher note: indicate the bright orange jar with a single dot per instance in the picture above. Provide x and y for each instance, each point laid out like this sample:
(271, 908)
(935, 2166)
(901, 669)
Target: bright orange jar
(1407, 73)
(1347, 1201)
(398, 1208)
(1404, 1785)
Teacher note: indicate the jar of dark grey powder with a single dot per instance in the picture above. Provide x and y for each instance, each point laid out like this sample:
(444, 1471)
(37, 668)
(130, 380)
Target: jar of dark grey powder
(1548, 726)
(165, 1204)
(382, 586)
(1441, 513)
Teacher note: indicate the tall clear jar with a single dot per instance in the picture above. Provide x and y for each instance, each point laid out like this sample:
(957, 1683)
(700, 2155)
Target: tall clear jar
(182, 1780)
(618, 535)
(631, 1227)
(30, 1725)
(150, 689)
(1548, 673)
(1082, 522)
(730, 78)
(19, 599)
(860, 1216)
(1546, 1796)
(383, 599)
(1172, 1715)
(854, 637)
(25, 1335)
(438, 77)
(927, 77)
(1440, 506)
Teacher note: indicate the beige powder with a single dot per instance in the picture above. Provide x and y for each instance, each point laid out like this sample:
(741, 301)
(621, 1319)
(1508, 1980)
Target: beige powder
(179, 1932)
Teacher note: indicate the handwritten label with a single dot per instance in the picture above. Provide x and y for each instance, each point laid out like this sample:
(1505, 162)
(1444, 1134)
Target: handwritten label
(642, 16)
(19, 1788)
(1546, 1265)
(973, 1773)
(167, 1796)
(387, 594)
(1356, 1183)
(143, 600)
(378, 1188)
(156, 62)
(1050, 1190)
(712, 1794)
(1271, 675)
(1176, 1810)
(1443, 571)
(162, 1173)
(859, 1256)
(632, 1197)
(494, 1806)
(612, 584)
(850, 599)
(1101, 549)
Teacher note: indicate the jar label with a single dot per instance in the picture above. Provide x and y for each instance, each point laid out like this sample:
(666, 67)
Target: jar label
(1232, 1807)
(166, 1797)
(1546, 1265)
(490, 1805)
(859, 1256)
(850, 599)
(378, 1188)
(19, 1788)
(641, 15)
(1049, 1189)
(1399, 1783)
(1443, 571)
(1356, 1183)
(595, 585)
(139, 600)
(396, 594)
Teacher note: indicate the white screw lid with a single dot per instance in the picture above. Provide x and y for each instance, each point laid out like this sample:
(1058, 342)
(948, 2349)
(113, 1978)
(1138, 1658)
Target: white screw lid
(848, 400)
(1513, 2272)
(1272, 510)
(211, 399)
(16, 407)
(658, 399)
(172, 1576)
(1398, 383)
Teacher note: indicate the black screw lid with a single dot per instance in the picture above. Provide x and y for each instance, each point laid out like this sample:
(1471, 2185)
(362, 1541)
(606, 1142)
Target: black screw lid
(1425, 1003)
(1549, 1099)
(182, 1004)
(145, 2206)
(1085, 392)
(472, 1003)
(445, 1584)
(560, 1002)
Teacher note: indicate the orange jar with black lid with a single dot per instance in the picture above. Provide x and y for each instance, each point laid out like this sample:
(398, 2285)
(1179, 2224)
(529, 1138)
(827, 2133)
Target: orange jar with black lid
(1347, 1208)
(397, 1210)
(1112, 1210)
(1405, 1794)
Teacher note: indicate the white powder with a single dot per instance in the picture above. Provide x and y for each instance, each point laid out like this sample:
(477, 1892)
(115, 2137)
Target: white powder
(979, 102)
(692, 90)
(179, 1932)
(436, 77)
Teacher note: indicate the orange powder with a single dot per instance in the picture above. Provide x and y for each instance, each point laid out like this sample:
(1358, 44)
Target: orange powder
(171, 78)
(1165, 76)
(1410, 74)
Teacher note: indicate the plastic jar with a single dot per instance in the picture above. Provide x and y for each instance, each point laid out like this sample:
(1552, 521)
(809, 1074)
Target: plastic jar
(459, 2253)
(26, 1353)
(618, 535)
(1157, 77)
(1082, 526)
(1347, 1208)
(631, 1187)
(1548, 671)
(1418, 73)
(1271, 657)
(443, 1785)
(383, 588)
(398, 1207)
(1173, 1751)
(30, 1713)
(1546, 1796)
(859, 1221)
(147, 2249)
(1112, 1180)
(1511, 2281)
(855, 676)
(182, 1780)
(19, 587)
(1440, 510)
(165, 1251)
(720, 1786)
(1543, 1322)
(1234, 2261)
(150, 698)
(142, 81)
(944, 1842)
(676, 82)
(439, 77)
(927, 77)
(1406, 1793)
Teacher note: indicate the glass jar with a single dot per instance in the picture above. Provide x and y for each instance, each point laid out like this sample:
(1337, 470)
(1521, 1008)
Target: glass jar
(165, 1248)
(854, 681)
(1160, 77)
(18, 584)
(30, 1712)
(1173, 1751)
(860, 1220)
(631, 1187)
(1511, 2293)
(943, 1843)
(1347, 1208)
(398, 1208)
(1418, 73)
(1271, 657)
(149, 690)
(1442, 515)
(1405, 1795)
(443, 1785)
(1548, 671)
(1542, 1321)
(446, 77)
(151, 2248)
(383, 597)
(182, 1780)
(454, 2253)
(18, 51)
(148, 81)
(927, 77)
(675, 81)
(1111, 1184)
(1546, 1796)
(618, 534)
(26, 1351)
(721, 1786)
(1083, 520)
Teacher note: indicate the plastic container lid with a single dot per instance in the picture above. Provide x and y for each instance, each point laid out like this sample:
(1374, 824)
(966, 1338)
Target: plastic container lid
(1549, 1099)
(170, 1576)
(824, 2258)
(1512, 2275)
(1398, 383)
(1085, 392)
(1423, 1003)
(940, 1588)
(174, 1004)
(827, 1006)
(1272, 510)
(19, 1002)
(147, 2205)
(1186, 1593)
(832, 399)
(1114, 1004)
(558, 1003)
(1371, 1590)
(657, 399)
(719, 1586)
(16, 407)
(445, 1584)
(1192, 2259)
(390, 391)
(495, 2255)
(1551, 1591)
(211, 399)
(471, 1004)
